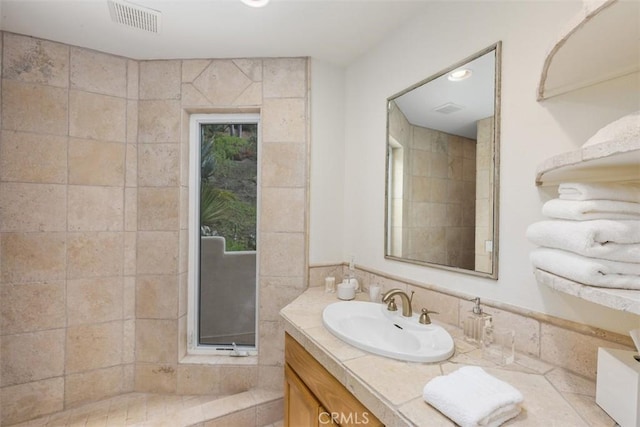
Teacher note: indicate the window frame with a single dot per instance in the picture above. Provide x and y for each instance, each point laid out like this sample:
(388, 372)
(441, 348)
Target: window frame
(193, 295)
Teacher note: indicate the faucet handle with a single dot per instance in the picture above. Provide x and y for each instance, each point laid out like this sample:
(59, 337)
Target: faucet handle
(391, 306)
(424, 316)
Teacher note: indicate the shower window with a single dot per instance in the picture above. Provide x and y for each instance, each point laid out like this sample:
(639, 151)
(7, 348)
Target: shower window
(223, 232)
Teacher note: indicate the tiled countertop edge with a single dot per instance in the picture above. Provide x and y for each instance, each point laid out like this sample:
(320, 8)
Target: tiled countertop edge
(303, 322)
(375, 402)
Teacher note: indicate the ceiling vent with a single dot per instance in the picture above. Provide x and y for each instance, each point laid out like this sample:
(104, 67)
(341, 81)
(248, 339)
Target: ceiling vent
(134, 16)
(448, 108)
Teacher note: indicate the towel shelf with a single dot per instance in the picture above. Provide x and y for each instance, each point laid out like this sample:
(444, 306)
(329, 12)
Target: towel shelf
(599, 44)
(619, 299)
(587, 39)
(607, 161)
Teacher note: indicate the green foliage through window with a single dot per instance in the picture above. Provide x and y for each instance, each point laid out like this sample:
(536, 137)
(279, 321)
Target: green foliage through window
(228, 174)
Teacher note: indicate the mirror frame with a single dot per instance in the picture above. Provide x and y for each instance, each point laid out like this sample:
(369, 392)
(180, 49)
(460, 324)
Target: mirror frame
(497, 47)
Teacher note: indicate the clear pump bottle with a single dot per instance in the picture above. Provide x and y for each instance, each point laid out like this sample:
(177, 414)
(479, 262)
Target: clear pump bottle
(475, 323)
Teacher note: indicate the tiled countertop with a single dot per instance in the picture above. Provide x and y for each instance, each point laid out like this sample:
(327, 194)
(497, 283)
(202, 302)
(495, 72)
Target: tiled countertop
(392, 389)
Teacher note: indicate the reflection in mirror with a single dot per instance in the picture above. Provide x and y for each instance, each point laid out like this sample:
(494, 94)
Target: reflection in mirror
(442, 168)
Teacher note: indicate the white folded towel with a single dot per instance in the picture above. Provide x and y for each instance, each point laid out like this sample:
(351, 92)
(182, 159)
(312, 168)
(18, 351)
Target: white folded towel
(588, 271)
(590, 209)
(471, 397)
(600, 238)
(623, 192)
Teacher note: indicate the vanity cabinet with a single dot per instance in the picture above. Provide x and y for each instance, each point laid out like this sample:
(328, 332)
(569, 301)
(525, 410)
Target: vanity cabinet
(313, 397)
(302, 407)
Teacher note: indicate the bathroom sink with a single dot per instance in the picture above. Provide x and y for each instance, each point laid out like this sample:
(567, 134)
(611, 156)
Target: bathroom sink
(371, 327)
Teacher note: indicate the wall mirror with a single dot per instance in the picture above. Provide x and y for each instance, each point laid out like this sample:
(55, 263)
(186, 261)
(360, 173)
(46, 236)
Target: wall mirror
(443, 138)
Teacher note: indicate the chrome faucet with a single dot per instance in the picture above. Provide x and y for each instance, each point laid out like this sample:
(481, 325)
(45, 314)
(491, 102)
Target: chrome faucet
(407, 311)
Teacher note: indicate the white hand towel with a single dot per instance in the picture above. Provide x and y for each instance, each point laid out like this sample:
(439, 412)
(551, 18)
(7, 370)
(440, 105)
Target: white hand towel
(590, 209)
(588, 271)
(471, 397)
(623, 192)
(600, 238)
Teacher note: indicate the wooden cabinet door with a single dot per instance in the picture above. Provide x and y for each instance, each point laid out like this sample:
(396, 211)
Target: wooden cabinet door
(302, 409)
(318, 389)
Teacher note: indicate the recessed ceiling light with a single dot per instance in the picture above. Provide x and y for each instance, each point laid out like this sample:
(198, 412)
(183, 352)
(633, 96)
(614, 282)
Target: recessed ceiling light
(460, 74)
(255, 3)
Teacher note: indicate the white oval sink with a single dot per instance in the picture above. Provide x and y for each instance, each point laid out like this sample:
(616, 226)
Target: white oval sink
(371, 327)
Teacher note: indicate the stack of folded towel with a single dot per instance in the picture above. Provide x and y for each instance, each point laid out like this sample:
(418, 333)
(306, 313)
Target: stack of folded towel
(471, 397)
(592, 236)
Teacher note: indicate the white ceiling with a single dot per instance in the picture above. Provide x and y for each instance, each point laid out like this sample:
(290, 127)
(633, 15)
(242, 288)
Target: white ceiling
(337, 31)
(474, 96)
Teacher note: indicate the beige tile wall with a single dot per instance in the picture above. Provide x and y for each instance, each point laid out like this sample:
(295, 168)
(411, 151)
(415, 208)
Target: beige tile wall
(158, 227)
(93, 219)
(440, 197)
(560, 342)
(484, 194)
(278, 89)
(66, 322)
(435, 202)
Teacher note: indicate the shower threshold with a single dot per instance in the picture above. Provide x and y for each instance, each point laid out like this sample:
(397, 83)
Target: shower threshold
(257, 407)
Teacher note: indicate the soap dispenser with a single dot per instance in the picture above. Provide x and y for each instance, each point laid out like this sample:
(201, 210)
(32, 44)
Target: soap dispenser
(475, 323)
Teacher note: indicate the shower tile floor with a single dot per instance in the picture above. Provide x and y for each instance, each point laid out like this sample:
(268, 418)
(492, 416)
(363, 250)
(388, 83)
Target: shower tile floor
(158, 410)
